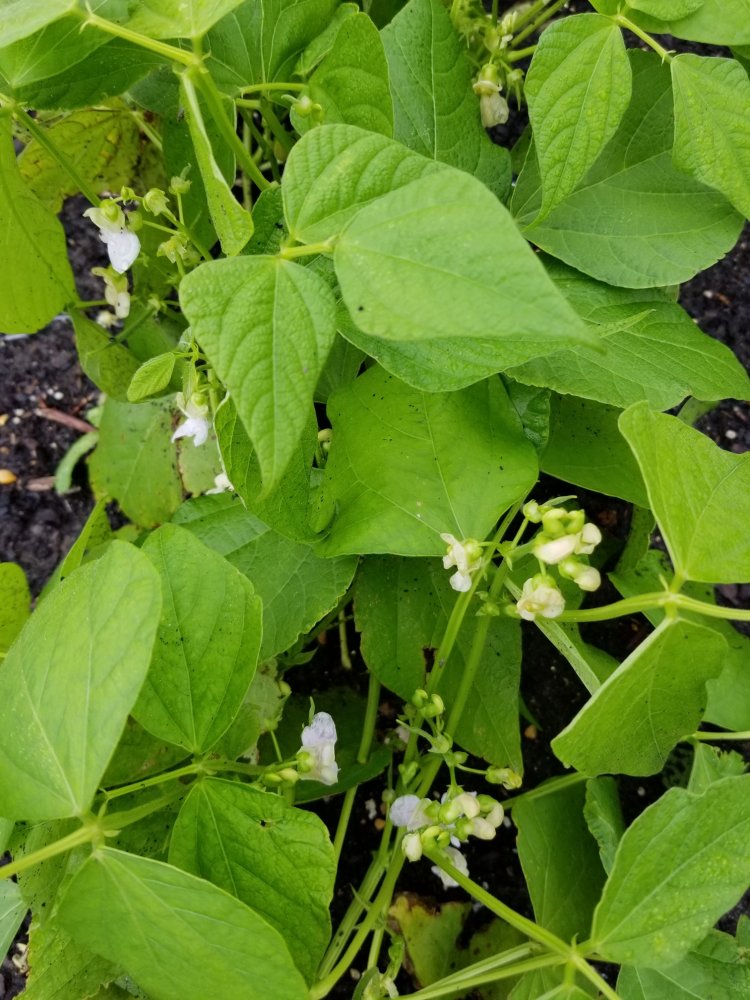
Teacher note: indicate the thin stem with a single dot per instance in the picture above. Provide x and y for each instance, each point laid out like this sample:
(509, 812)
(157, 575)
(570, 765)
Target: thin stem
(529, 15)
(256, 87)
(550, 941)
(367, 888)
(720, 737)
(324, 986)
(623, 22)
(277, 129)
(521, 54)
(114, 822)
(548, 788)
(83, 835)
(90, 19)
(158, 779)
(346, 660)
(451, 984)
(44, 140)
(309, 250)
(341, 827)
(537, 24)
(664, 599)
(153, 137)
(593, 977)
(205, 83)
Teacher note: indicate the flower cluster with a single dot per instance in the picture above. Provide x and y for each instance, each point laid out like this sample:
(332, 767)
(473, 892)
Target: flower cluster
(466, 556)
(445, 825)
(316, 758)
(565, 536)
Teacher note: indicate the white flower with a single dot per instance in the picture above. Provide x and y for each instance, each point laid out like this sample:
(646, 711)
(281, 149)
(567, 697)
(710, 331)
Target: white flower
(196, 425)
(588, 539)
(221, 484)
(588, 578)
(115, 290)
(411, 846)
(456, 858)
(554, 550)
(408, 811)
(318, 748)
(123, 246)
(106, 319)
(466, 556)
(483, 829)
(494, 109)
(540, 596)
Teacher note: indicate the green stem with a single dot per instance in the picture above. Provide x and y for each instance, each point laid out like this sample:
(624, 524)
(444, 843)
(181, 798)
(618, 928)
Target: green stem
(529, 15)
(623, 22)
(211, 95)
(643, 602)
(83, 835)
(720, 737)
(161, 48)
(548, 788)
(516, 56)
(256, 87)
(309, 250)
(465, 983)
(44, 140)
(158, 779)
(324, 986)
(114, 822)
(279, 132)
(537, 24)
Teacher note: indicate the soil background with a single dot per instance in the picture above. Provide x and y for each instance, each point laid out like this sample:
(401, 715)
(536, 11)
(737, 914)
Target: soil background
(43, 394)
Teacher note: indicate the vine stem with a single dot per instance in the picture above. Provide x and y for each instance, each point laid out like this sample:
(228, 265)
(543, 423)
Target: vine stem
(532, 930)
(44, 140)
(624, 22)
(256, 87)
(90, 19)
(720, 737)
(535, 25)
(666, 599)
(83, 835)
(464, 982)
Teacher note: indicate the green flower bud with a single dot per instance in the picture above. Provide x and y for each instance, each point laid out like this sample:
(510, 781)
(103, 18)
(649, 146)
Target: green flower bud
(155, 201)
(464, 828)
(179, 185)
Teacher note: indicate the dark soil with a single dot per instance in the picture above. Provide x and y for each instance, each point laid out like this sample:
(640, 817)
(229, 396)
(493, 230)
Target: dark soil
(43, 388)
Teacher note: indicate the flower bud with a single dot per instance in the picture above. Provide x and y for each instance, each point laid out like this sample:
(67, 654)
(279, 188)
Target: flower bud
(464, 827)
(179, 185)
(590, 537)
(419, 698)
(496, 815)
(533, 512)
(442, 743)
(468, 803)
(482, 829)
(554, 522)
(411, 846)
(155, 201)
(588, 578)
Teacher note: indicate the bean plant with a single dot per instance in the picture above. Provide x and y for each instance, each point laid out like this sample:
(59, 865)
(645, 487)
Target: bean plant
(340, 333)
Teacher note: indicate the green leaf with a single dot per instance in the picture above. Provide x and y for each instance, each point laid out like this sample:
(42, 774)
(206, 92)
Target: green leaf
(37, 278)
(15, 603)
(322, 44)
(699, 494)
(435, 111)
(56, 47)
(267, 326)
(634, 220)
(296, 586)
(135, 463)
(405, 466)
(430, 934)
(711, 765)
(106, 362)
(287, 509)
(260, 42)
(152, 377)
(712, 124)
(729, 693)
(59, 967)
(20, 18)
(655, 698)
(335, 170)
(101, 144)
(233, 224)
(603, 817)
(409, 239)
(351, 82)
(717, 967)
(560, 861)
(666, 10)
(401, 607)
(12, 912)
(578, 89)
(646, 348)
(718, 22)
(585, 447)
(110, 70)
(70, 662)
(207, 644)
(683, 863)
(152, 920)
(275, 858)
(178, 18)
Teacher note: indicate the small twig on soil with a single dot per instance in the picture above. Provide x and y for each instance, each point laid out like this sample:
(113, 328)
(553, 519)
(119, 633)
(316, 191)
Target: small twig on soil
(64, 418)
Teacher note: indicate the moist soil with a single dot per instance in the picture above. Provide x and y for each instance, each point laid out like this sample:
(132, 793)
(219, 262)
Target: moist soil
(44, 398)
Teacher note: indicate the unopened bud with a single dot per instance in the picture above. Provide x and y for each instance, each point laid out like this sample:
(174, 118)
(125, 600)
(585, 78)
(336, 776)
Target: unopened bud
(155, 201)
(483, 829)
(411, 846)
